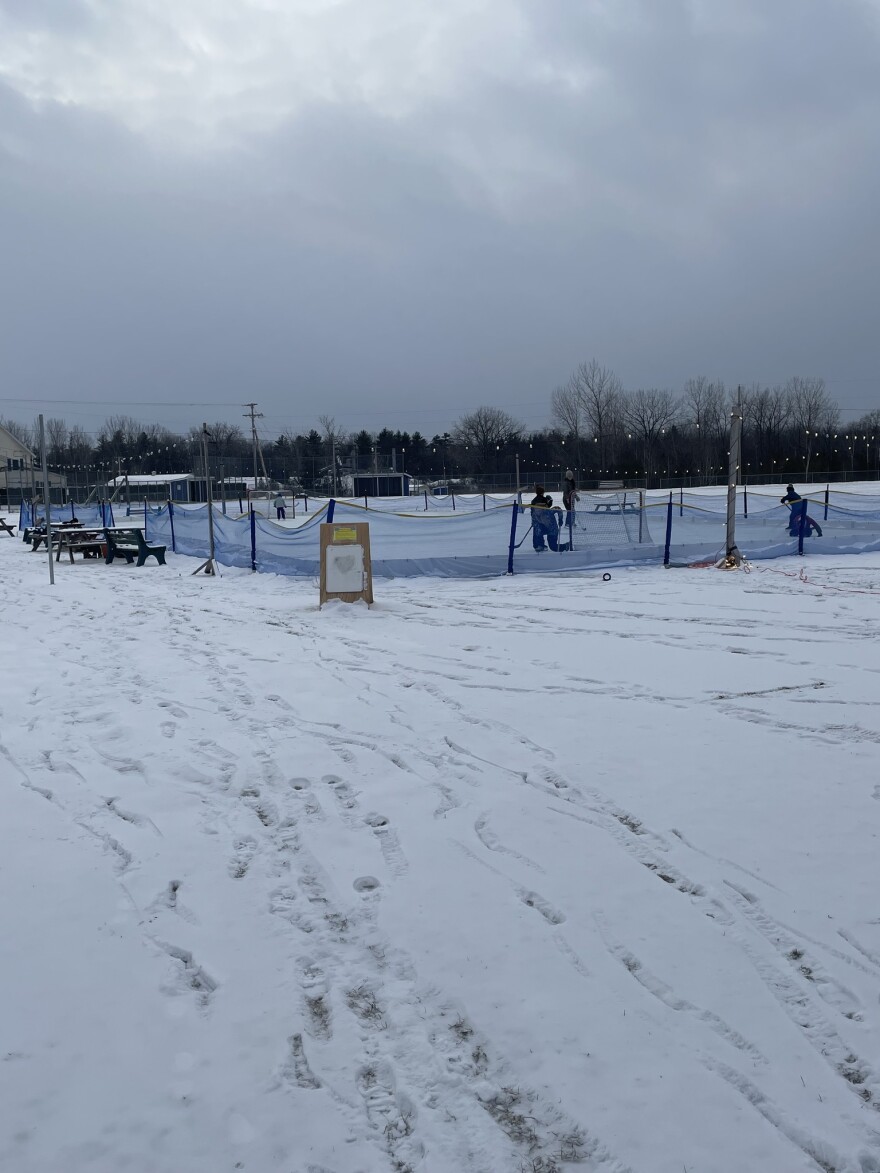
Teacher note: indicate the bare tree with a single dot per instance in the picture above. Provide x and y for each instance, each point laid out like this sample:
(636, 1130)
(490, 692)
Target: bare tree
(810, 411)
(486, 430)
(22, 432)
(330, 430)
(57, 435)
(648, 414)
(705, 408)
(763, 421)
(570, 416)
(600, 394)
(79, 446)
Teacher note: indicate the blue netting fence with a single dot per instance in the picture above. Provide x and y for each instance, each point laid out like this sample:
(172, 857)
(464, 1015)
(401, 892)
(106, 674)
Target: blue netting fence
(606, 529)
(96, 513)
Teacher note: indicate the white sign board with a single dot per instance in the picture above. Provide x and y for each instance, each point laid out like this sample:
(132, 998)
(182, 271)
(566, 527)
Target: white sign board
(345, 569)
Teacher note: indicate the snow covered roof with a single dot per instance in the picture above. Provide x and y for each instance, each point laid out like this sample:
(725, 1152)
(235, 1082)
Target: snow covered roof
(152, 478)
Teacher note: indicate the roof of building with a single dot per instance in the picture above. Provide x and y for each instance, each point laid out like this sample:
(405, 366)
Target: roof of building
(152, 478)
(12, 436)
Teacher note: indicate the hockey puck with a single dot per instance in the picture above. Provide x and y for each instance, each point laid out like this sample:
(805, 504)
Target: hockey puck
(606, 577)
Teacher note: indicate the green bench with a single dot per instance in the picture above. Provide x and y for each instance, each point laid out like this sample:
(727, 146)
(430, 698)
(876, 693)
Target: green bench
(131, 544)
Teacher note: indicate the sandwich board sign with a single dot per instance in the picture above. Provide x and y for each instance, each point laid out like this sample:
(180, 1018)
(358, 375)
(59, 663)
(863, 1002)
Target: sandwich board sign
(346, 571)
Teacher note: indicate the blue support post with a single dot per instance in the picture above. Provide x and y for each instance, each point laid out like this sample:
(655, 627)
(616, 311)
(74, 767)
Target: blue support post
(668, 532)
(484, 502)
(681, 502)
(746, 501)
(253, 539)
(331, 509)
(802, 525)
(453, 502)
(827, 494)
(515, 512)
(171, 519)
(72, 514)
(426, 500)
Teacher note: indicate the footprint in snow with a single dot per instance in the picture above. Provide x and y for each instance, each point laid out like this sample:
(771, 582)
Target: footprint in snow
(547, 911)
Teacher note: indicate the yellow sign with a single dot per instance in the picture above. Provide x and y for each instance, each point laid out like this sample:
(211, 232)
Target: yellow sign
(342, 533)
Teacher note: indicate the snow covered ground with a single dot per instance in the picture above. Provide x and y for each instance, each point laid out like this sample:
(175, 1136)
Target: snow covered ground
(495, 876)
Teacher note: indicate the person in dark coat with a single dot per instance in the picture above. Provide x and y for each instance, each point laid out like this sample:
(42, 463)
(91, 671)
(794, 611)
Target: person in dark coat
(545, 530)
(570, 498)
(795, 501)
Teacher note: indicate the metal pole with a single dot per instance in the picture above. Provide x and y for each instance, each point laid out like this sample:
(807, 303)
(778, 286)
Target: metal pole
(254, 415)
(734, 558)
(333, 458)
(208, 567)
(48, 510)
(516, 488)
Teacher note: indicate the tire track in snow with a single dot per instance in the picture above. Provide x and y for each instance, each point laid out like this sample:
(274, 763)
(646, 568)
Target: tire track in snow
(667, 996)
(798, 1003)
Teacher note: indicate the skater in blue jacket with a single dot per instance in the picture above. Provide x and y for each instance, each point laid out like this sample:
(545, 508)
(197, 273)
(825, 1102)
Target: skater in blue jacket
(796, 501)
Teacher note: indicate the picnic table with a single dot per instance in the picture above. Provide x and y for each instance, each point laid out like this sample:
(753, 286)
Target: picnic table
(91, 543)
(107, 542)
(128, 542)
(36, 534)
(616, 507)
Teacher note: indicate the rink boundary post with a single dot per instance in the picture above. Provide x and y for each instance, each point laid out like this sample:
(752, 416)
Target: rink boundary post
(514, 513)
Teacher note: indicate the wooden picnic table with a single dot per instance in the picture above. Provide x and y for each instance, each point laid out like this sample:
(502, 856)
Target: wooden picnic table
(5, 527)
(616, 507)
(130, 542)
(89, 542)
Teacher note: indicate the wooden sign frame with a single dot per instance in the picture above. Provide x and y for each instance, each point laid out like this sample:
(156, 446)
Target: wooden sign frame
(346, 534)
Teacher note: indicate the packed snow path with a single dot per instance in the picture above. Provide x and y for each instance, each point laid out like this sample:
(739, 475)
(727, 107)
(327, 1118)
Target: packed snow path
(496, 876)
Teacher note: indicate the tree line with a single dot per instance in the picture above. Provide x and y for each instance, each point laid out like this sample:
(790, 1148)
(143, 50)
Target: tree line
(598, 428)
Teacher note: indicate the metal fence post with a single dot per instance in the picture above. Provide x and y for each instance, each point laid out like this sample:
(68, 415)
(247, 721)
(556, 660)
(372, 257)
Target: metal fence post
(668, 532)
(515, 512)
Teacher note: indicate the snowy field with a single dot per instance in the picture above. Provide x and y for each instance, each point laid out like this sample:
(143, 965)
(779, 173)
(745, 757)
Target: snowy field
(503, 876)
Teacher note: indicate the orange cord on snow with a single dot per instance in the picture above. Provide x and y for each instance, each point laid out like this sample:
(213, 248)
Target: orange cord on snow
(802, 576)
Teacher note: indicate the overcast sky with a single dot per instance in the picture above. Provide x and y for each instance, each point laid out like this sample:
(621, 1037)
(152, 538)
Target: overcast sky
(392, 211)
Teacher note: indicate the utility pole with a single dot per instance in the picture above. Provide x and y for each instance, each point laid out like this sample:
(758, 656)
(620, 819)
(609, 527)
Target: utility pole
(209, 567)
(254, 415)
(733, 557)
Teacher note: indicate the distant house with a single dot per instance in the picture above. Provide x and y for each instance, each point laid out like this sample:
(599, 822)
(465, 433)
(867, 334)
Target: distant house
(175, 486)
(382, 484)
(19, 474)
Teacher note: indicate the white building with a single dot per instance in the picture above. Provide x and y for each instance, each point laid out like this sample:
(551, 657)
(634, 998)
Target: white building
(18, 474)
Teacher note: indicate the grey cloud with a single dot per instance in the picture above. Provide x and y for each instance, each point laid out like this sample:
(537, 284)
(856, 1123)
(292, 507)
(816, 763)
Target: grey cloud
(671, 194)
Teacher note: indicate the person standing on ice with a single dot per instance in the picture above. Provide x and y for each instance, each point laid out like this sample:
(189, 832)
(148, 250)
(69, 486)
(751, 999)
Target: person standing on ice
(795, 500)
(543, 521)
(280, 511)
(570, 498)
